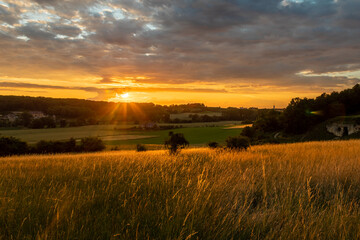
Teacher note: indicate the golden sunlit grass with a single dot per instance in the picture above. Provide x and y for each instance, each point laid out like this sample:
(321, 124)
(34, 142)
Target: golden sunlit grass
(293, 191)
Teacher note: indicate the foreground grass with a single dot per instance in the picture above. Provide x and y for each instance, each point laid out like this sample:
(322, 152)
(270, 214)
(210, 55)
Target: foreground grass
(293, 191)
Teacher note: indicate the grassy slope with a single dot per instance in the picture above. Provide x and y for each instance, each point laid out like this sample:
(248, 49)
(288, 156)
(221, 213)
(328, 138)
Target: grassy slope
(319, 132)
(293, 191)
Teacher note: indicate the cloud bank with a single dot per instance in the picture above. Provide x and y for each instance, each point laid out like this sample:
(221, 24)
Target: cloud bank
(218, 43)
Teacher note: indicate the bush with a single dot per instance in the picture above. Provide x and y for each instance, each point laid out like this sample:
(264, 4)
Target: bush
(12, 146)
(43, 122)
(63, 123)
(238, 143)
(91, 144)
(175, 142)
(248, 132)
(56, 146)
(213, 145)
(116, 148)
(140, 148)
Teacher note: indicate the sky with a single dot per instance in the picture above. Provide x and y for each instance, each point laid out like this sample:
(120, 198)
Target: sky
(240, 53)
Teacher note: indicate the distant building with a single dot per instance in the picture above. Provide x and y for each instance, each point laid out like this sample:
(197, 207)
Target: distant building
(13, 116)
(37, 114)
(149, 125)
(3, 117)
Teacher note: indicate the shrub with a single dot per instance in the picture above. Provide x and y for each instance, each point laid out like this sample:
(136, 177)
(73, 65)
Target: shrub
(237, 143)
(116, 148)
(43, 122)
(91, 144)
(63, 123)
(140, 148)
(175, 142)
(213, 145)
(248, 132)
(55, 146)
(12, 146)
(44, 147)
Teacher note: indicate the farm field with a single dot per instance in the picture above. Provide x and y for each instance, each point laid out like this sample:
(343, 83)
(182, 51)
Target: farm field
(35, 135)
(195, 136)
(196, 133)
(289, 191)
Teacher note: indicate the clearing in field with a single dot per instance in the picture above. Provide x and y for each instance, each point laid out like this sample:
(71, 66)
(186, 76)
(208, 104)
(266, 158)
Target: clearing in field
(289, 191)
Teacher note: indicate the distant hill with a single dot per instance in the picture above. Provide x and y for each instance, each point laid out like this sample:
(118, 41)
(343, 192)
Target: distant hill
(86, 112)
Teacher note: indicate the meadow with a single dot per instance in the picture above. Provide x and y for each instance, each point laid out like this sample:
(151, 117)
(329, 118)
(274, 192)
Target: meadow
(195, 136)
(196, 133)
(289, 191)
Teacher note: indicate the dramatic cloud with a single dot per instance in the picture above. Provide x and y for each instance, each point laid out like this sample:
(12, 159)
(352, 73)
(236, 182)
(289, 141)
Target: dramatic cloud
(7, 16)
(218, 44)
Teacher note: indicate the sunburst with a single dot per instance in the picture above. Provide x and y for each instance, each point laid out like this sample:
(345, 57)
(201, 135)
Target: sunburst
(124, 95)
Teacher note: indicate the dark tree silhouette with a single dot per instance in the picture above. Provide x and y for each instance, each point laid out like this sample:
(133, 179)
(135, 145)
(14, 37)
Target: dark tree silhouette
(12, 146)
(26, 119)
(140, 148)
(91, 144)
(175, 142)
(237, 143)
(213, 145)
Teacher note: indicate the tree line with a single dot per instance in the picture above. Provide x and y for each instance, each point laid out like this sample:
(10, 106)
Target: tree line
(302, 114)
(78, 112)
(14, 146)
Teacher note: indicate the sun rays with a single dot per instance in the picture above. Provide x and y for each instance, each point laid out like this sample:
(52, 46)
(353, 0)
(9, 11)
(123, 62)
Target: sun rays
(121, 97)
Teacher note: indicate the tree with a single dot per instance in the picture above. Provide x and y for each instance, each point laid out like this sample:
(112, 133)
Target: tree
(43, 146)
(43, 122)
(37, 124)
(63, 123)
(91, 144)
(12, 146)
(213, 145)
(49, 122)
(140, 148)
(26, 119)
(238, 143)
(175, 142)
(269, 121)
(249, 132)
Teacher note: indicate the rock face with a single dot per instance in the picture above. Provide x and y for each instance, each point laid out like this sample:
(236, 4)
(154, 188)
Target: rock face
(342, 129)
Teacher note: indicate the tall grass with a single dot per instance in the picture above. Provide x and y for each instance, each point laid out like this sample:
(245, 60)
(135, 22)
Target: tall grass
(292, 191)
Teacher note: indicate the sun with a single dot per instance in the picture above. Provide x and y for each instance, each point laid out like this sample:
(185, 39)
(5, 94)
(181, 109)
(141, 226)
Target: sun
(124, 95)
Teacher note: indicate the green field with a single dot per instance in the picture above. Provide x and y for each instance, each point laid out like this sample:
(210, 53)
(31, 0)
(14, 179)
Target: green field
(286, 191)
(195, 133)
(34, 135)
